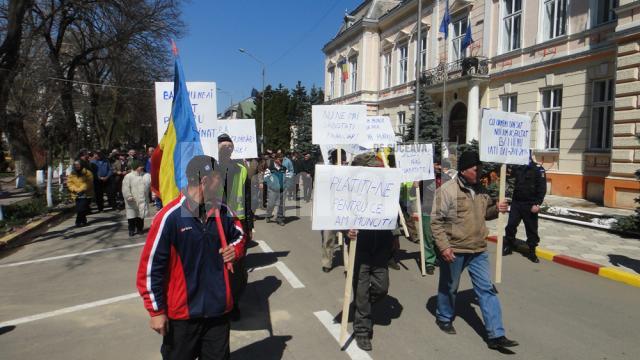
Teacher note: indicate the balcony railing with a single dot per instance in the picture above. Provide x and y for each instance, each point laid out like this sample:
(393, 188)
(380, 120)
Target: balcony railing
(473, 65)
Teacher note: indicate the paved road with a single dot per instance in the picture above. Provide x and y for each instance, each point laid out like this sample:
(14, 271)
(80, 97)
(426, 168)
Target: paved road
(85, 307)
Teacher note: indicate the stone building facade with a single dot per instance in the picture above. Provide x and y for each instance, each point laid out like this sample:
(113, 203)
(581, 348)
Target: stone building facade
(571, 65)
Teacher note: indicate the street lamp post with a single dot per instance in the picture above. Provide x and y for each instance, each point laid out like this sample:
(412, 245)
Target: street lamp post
(262, 111)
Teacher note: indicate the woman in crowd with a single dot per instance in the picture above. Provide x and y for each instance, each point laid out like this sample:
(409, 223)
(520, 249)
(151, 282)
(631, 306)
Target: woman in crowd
(80, 185)
(135, 190)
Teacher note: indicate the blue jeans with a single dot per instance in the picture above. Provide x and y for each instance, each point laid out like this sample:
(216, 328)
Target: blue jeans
(478, 265)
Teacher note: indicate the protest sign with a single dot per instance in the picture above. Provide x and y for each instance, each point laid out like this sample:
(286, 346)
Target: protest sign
(203, 102)
(415, 161)
(338, 124)
(379, 133)
(505, 137)
(243, 134)
(354, 197)
(351, 150)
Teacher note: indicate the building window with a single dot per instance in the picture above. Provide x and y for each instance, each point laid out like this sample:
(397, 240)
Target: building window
(332, 82)
(601, 114)
(353, 71)
(344, 76)
(403, 56)
(402, 125)
(386, 70)
(511, 21)
(459, 28)
(422, 52)
(551, 109)
(509, 103)
(554, 18)
(604, 11)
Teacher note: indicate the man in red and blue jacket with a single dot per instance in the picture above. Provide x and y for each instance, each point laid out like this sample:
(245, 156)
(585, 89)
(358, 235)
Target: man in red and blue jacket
(183, 275)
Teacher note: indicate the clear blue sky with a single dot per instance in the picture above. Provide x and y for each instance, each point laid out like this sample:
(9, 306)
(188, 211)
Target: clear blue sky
(267, 29)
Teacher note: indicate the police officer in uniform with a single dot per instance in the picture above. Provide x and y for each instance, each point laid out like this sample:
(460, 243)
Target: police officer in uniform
(528, 193)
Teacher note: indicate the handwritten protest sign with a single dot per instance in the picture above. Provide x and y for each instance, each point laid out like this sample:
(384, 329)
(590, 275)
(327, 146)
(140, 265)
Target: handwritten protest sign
(505, 137)
(379, 132)
(338, 124)
(354, 197)
(243, 134)
(351, 150)
(415, 161)
(203, 101)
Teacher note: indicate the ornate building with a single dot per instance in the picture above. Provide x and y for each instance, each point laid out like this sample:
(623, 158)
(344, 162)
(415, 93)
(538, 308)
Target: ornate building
(571, 65)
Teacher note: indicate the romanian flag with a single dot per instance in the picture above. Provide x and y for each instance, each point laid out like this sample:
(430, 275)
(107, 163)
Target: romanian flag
(180, 143)
(345, 71)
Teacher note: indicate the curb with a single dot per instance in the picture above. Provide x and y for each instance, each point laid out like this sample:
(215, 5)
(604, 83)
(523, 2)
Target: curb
(31, 230)
(610, 273)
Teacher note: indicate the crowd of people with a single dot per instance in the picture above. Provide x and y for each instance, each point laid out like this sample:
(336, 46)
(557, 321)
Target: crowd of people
(192, 288)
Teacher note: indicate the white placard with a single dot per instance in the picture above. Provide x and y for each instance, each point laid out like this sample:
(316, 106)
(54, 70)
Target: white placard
(203, 101)
(355, 197)
(379, 133)
(243, 134)
(338, 124)
(415, 161)
(505, 137)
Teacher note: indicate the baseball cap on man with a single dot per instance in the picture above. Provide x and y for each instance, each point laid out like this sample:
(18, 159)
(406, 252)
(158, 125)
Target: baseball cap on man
(200, 166)
(224, 137)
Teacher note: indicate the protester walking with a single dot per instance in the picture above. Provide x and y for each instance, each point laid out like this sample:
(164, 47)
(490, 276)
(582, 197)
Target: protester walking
(330, 237)
(277, 178)
(183, 274)
(103, 181)
(530, 187)
(135, 189)
(80, 185)
(370, 274)
(308, 170)
(460, 231)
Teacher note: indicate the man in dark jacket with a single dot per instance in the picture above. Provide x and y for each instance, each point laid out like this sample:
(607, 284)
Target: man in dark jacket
(277, 178)
(370, 272)
(308, 168)
(528, 194)
(103, 182)
(183, 275)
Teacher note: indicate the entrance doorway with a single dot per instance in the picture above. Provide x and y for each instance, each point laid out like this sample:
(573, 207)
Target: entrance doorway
(458, 124)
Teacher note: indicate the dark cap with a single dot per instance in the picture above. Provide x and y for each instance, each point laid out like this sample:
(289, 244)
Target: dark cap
(224, 137)
(368, 159)
(199, 166)
(468, 159)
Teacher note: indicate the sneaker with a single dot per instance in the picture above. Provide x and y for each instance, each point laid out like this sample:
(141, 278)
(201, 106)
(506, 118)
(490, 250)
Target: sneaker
(326, 269)
(532, 256)
(394, 265)
(501, 342)
(506, 250)
(430, 269)
(363, 342)
(446, 326)
(280, 222)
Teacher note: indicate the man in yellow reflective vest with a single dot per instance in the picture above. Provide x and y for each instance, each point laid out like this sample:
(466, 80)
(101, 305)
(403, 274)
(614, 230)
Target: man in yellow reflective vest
(236, 193)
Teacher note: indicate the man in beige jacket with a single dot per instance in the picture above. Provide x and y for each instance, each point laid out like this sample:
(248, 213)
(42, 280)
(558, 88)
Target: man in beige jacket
(459, 229)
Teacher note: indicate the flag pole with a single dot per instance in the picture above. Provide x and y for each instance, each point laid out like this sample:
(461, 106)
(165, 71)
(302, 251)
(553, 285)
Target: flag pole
(418, 203)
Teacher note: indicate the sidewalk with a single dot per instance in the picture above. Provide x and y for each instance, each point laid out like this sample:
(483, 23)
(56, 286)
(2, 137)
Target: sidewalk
(588, 244)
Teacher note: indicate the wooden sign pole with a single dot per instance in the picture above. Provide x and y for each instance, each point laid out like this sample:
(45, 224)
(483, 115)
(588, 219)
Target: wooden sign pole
(501, 224)
(403, 222)
(420, 231)
(341, 242)
(348, 288)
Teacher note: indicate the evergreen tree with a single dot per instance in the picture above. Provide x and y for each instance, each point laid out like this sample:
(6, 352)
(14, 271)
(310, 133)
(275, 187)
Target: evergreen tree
(430, 124)
(277, 134)
(302, 142)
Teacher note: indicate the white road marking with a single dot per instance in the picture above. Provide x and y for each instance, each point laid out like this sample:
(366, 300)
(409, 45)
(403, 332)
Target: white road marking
(68, 310)
(71, 255)
(353, 350)
(282, 267)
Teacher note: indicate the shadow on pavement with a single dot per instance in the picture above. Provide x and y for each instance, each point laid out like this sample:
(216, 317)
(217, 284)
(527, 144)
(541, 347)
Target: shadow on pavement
(6, 329)
(271, 348)
(255, 260)
(464, 310)
(254, 304)
(622, 260)
(386, 310)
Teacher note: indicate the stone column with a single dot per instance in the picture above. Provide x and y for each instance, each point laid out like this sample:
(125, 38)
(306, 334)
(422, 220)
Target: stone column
(473, 111)
(621, 186)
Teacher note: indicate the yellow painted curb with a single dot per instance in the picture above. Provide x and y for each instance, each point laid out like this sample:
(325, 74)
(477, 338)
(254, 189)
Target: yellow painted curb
(620, 275)
(26, 228)
(545, 254)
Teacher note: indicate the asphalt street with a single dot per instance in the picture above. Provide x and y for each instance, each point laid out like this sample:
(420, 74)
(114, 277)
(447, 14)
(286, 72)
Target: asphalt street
(73, 296)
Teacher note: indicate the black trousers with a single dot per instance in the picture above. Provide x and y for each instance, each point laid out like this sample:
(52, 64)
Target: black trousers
(82, 210)
(307, 185)
(136, 224)
(371, 284)
(522, 211)
(204, 339)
